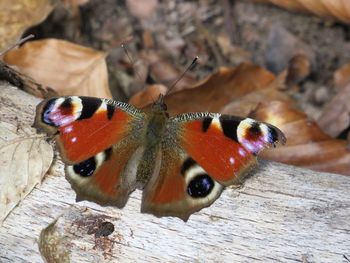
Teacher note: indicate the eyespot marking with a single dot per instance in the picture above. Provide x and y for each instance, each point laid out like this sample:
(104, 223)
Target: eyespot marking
(61, 111)
(85, 168)
(200, 186)
(206, 123)
(110, 111)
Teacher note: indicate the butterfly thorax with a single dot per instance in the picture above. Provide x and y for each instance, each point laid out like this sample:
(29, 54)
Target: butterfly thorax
(156, 125)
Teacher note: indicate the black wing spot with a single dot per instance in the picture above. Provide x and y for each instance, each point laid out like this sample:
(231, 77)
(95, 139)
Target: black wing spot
(187, 165)
(85, 168)
(206, 123)
(110, 111)
(108, 153)
(200, 186)
(229, 126)
(89, 107)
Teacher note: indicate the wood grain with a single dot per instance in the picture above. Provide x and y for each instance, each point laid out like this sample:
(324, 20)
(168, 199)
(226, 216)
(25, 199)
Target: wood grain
(282, 213)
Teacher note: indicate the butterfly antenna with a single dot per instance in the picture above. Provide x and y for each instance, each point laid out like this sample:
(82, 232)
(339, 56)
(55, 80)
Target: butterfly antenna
(133, 65)
(16, 44)
(131, 61)
(190, 67)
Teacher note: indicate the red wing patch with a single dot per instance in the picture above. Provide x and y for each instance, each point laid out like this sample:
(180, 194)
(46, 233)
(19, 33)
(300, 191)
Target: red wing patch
(85, 126)
(220, 156)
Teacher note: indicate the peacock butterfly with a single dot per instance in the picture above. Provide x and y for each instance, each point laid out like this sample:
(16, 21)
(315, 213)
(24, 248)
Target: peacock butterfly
(182, 163)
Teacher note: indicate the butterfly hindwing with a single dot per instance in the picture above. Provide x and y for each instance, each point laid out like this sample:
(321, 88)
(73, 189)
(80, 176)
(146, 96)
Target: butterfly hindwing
(179, 186)
(108, 177)
(85, 126)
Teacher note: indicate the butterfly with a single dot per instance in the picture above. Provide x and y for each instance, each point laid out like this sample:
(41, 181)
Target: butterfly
(181, 163)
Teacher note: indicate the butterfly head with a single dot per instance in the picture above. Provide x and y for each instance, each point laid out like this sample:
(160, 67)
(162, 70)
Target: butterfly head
(160, 106)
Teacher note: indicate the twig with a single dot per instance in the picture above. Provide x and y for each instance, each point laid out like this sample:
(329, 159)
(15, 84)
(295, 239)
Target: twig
(16, 44)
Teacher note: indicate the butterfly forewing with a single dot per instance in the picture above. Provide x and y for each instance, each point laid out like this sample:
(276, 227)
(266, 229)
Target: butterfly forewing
(225, 146)
(85, 126)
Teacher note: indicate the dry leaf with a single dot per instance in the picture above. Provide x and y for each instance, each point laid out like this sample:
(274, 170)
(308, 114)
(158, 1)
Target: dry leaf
(214, 92)
(17, 16)
(335, 9)
(24, 82)
(219, 89)
(307, 145)
(335, 118)
(24, 160)
(68, 68)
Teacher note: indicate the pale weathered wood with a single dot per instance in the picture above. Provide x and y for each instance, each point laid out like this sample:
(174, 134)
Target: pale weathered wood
(282, 213)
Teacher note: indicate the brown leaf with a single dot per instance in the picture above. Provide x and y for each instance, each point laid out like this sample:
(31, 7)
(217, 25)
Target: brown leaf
(24, 82)
(335, 9)
(335, 118)
(219, 89)
(24, 160)
(147, 96)
(307, 145)
(68, 68)
(214, 92)
(16, 17)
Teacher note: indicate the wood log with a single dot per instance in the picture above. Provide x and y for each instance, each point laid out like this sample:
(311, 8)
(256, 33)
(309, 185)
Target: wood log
(282, 213)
